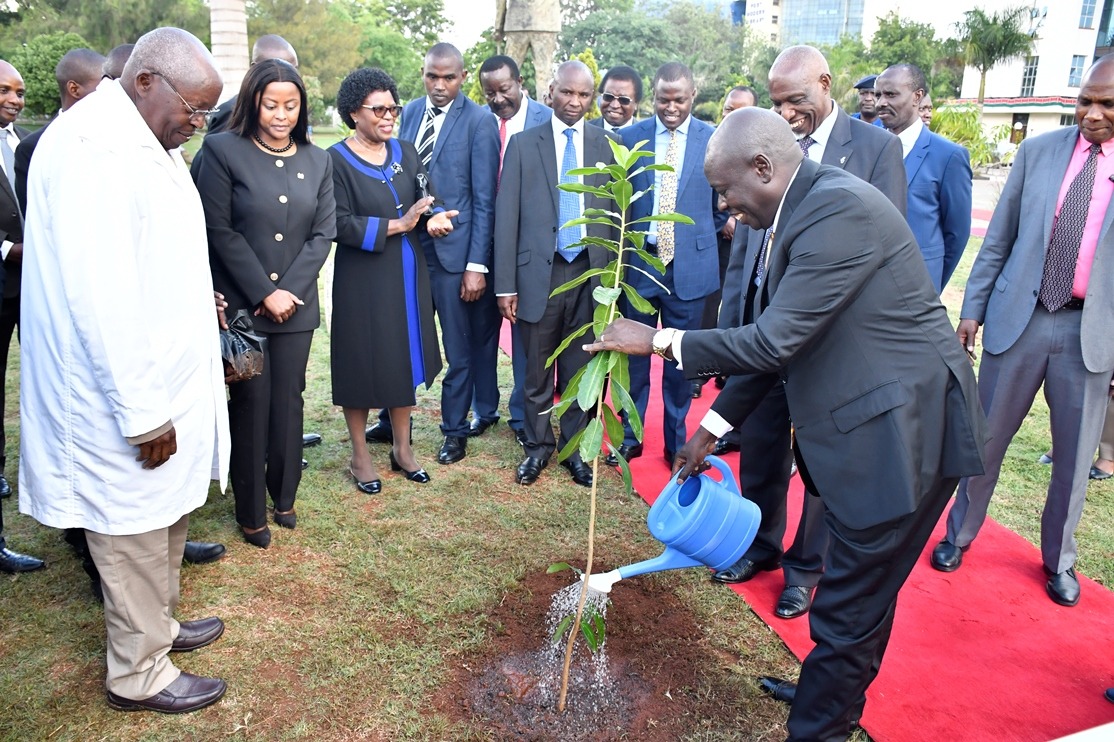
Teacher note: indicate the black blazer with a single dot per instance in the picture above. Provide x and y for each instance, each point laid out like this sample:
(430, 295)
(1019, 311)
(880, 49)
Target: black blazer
(11, 223)
(881, 395)
(271, 222)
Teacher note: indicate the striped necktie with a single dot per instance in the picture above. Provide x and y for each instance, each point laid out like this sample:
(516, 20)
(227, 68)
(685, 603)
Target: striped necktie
(428, 137)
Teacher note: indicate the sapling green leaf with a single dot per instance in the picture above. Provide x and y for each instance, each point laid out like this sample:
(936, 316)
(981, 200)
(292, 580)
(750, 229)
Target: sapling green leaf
(571, 446)
(566, 343)
(670, 217)
(614, 425)
(585, 276)
(637, 301)
(592, 442)
(581, 188)
(653, 260)
(622, 190)
(591, 384)
(605, 295)
(561, 567)
(626, 403)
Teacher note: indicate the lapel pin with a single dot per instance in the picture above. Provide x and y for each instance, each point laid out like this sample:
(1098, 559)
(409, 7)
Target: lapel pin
(843, 159)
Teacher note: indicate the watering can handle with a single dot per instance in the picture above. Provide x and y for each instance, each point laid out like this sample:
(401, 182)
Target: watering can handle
(725, 470)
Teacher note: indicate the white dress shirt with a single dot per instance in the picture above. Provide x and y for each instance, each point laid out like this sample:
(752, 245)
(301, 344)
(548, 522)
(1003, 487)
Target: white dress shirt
(909, 137)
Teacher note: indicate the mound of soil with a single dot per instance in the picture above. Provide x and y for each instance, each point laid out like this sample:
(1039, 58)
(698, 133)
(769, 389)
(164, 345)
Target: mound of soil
(640, 687)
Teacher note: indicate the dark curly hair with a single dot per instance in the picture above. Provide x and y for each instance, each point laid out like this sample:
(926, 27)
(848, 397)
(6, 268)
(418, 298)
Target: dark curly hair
(355, 89)
(245, 116)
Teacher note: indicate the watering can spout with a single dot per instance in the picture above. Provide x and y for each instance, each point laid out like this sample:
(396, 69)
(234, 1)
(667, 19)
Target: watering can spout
(603, 582)
(668, 559)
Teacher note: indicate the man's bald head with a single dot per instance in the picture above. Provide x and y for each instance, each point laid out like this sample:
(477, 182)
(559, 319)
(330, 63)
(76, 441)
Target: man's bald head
(800, 88)
(115, 61)
(572, 91)
(1094, 110)
(78, 73)
(750, 161)
(172, 78)
(273, 46)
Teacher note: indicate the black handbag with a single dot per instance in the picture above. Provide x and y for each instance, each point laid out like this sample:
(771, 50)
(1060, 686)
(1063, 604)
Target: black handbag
(241, 349)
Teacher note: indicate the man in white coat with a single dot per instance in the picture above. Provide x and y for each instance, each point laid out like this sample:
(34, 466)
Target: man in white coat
(123, 411)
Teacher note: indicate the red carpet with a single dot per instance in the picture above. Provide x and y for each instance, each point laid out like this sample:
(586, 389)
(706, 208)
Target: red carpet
(980, 654)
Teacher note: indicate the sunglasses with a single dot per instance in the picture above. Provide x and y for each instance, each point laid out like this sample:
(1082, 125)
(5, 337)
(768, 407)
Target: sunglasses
(380, 111)
(204, 113)
(623, 100)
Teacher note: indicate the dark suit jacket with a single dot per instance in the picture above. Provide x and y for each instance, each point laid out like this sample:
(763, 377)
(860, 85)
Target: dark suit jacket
(269, 227)
(882, 397)
(939, 176)
(11, 224)
(23, 154)
(526, 216)
(218, 122)
(868, 152)
(696, 260)
(1002, 290)
(463, 170)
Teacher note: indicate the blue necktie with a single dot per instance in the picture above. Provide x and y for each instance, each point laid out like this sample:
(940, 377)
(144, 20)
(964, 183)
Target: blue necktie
(569, 203)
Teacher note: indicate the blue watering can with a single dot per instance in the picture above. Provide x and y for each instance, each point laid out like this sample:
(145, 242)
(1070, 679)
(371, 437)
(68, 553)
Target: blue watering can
(701, 522)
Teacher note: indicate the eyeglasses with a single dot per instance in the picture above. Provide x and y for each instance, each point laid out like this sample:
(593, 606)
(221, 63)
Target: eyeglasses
(623, 100)
(204, 113)
(381, 111)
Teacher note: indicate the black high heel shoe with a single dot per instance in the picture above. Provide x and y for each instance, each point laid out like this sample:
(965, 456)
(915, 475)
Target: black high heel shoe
(418, 476)
(371, 487)
(262, 538)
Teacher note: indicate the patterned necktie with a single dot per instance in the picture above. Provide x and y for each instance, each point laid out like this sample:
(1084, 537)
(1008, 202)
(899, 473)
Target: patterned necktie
(9, 157)
(1063, 248)
(569, 202)
(805, 142)
(667, 202)
(428, 136)
(762, 256)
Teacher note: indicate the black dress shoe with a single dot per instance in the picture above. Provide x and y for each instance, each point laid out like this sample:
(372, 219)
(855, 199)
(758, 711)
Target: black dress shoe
(530, 469)
(5, 488)
(745, 569)
(581, 472)
(452, 450)
(379, 433)
(262, 539)
(370, 487)
(199, 552)
(697, 389)
(286, 520)
(724, 446)
(197, 634)
(305, 464)
(12, 562)
(628, 452)
(187, 693)
(947, 557)
(418, 476)
(479, 427)
(520, 437)
(311, 439)
(1063, 588)
(778, 689)
(1096, 473)
(720, 382)
(795, 601)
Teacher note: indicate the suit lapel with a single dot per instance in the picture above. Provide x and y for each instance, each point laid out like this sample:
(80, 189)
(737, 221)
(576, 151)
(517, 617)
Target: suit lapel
(779, 256)
(697, 142)
(838, 149)
(1063, 157)
(451, 118)
(548, 154)
(917, 155)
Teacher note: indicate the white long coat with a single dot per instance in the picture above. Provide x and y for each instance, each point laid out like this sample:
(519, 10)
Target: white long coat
(118, 327)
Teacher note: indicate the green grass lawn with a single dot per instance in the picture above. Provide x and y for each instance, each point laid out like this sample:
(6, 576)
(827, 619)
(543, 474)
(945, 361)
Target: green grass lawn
(344, 628)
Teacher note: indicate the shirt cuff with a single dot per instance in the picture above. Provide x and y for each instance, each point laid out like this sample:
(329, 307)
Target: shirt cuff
(511, 294)
(147, 437)
(675, 348)
(5, 248)
(475, 268)
(715, 424)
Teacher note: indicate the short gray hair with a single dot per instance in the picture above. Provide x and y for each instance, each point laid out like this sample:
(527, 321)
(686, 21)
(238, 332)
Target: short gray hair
(173, 53)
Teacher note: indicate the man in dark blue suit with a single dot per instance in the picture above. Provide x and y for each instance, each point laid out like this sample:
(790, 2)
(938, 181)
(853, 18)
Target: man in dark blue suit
(938, 172)
(687, 250)
(459, 143)
(514, 111)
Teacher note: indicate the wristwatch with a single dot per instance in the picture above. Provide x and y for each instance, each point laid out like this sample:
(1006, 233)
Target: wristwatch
(663, 343)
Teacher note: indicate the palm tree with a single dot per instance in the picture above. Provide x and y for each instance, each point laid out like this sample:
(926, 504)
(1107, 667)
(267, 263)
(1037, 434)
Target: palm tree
(228, 24)
(989, 40)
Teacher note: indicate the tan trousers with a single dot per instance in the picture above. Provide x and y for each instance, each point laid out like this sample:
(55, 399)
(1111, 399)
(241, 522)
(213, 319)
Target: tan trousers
(545, 49)
(139, 574)
(1106, 443)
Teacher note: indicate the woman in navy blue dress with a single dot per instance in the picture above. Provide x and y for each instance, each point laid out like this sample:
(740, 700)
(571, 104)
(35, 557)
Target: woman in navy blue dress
(384, 341)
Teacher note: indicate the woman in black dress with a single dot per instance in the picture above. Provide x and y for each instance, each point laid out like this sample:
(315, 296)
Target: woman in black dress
(271, 217)
(384, 342)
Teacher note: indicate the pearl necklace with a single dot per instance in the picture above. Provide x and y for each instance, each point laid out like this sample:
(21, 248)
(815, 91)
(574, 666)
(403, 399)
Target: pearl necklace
(276, 150)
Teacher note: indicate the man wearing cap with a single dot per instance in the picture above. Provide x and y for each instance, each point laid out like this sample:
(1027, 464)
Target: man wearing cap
(867, 101)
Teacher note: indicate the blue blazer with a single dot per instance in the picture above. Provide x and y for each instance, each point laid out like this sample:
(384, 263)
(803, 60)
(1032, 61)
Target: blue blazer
(696, 257)
(939, 207)
(462, 174)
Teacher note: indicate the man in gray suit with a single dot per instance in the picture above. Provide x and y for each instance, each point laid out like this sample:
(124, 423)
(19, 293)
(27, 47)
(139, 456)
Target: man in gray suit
(1041, 288)
(533, 256)
(800, 88)
(883, 397)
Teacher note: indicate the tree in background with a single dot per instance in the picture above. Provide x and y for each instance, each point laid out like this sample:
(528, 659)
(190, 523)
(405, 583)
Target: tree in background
(849, 62)
(575, 11)
(36, 62)
(989, 40)
(589, 60)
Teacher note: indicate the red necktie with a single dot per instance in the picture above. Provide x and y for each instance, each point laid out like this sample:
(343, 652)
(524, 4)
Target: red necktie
(502, 149)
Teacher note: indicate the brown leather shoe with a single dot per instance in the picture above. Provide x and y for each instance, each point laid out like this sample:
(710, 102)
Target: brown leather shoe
(187, 693)
(197, 634)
